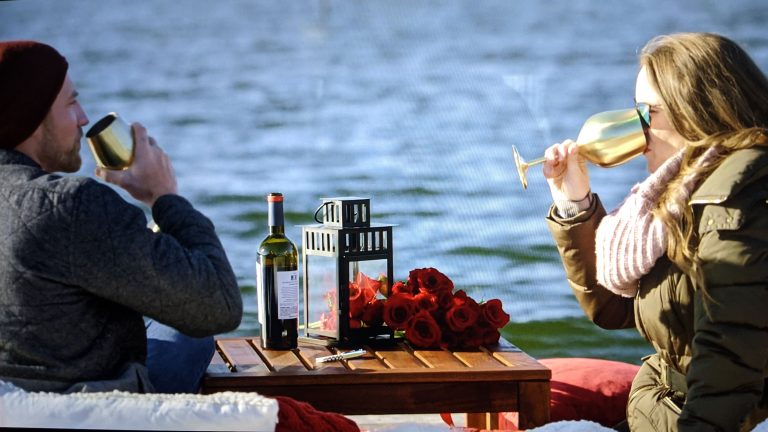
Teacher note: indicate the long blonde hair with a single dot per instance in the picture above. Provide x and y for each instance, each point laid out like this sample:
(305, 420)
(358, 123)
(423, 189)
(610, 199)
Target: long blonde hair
(715, 95)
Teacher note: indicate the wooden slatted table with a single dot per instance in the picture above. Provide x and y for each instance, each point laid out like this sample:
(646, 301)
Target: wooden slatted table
(391, 380)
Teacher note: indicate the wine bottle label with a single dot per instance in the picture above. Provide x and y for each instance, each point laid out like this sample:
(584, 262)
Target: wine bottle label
(287, 283)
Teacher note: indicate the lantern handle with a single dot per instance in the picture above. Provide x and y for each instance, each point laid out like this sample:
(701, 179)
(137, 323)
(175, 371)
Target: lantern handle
(318, 211)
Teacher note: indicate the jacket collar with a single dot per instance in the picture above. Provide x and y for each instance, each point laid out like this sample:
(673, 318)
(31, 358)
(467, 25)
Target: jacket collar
(13, 157)
(737, 170)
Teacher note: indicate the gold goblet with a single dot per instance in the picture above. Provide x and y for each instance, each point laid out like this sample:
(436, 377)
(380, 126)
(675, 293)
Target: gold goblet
(607, 139)
(111, 142)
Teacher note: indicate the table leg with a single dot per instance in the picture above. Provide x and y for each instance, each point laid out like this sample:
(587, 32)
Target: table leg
(483, 420)
(534, 404)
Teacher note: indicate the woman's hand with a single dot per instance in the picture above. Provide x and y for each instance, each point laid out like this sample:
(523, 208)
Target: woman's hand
(566, 172)
(150, 176)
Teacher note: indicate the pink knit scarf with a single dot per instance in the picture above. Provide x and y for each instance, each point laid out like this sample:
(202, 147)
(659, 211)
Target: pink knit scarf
(630, 239)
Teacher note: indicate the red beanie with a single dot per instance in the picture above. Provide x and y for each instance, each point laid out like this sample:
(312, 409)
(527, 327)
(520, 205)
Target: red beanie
(31, 76)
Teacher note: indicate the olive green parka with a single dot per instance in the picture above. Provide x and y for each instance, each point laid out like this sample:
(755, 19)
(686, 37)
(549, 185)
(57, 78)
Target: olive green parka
(720, 348)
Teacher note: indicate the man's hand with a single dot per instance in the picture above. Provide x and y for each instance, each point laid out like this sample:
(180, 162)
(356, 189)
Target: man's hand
(150, 176)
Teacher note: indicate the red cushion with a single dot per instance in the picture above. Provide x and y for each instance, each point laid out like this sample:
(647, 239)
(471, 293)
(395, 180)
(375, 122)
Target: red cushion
(296, 416)
(585, 389)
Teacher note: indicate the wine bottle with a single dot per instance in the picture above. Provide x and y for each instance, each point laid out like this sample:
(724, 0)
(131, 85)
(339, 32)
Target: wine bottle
(277, 282)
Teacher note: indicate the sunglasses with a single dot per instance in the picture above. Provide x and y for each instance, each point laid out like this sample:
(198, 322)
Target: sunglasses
(644, 111)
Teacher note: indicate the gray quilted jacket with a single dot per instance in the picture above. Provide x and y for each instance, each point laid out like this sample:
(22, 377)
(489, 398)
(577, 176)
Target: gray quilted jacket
(79, 269)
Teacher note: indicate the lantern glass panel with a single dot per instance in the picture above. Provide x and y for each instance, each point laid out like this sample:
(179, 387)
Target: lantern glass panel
(366, 278)
(323, 303)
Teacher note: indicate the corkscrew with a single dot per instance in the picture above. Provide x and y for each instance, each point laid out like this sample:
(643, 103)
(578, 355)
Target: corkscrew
(341, 356)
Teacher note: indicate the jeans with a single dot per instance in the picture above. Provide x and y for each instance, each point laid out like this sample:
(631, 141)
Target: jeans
(176, 362)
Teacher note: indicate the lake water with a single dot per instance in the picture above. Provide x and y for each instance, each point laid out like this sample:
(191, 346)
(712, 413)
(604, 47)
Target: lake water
(414, 104)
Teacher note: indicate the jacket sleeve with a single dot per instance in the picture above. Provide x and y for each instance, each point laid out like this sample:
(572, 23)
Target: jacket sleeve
(575, 239)
(726, 376)
(180, 277)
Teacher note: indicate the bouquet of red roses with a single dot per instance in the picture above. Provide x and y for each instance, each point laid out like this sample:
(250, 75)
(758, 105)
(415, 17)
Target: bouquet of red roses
(427, 310)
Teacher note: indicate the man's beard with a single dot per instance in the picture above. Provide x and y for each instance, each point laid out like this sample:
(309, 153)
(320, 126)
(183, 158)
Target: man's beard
(53, 160)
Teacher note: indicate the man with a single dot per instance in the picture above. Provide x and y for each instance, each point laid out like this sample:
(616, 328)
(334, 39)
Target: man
(79, 269)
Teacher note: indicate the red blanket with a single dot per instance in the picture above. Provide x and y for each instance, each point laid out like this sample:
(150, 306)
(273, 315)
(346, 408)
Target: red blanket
(295, 416)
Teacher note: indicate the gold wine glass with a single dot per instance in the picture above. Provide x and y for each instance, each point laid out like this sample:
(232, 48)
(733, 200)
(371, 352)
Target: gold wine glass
(111, 142)
(607, 139)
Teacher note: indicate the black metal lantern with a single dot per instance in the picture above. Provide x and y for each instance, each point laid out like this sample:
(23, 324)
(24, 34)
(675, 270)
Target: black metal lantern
(347, 265)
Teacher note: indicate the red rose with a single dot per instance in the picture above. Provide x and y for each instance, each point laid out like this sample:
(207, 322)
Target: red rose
(368, 284)
(425, 301)
(422, 331)
(329, 321)
(330, 299)
(460, 297)
(449, 340)
(461, 316)
(401, 288)
(373, 313)
(431, 280)
(444, 300)
(356, 301)
(413, 280)
(398, 309)
(494, 314)
(491, 336)
(472, 337)
(432, 314)
(358, 298)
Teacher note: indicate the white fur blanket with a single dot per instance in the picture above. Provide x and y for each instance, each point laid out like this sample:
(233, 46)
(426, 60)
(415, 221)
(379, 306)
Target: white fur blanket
(220, 411)
(121, 410)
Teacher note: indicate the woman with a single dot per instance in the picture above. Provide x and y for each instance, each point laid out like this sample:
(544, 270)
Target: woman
(685, 257)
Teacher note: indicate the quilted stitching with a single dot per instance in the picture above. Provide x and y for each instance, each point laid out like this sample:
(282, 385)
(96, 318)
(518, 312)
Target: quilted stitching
(79, 269)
